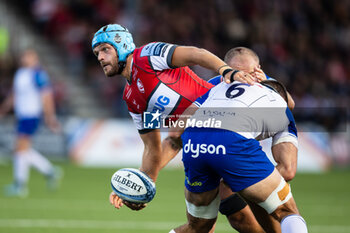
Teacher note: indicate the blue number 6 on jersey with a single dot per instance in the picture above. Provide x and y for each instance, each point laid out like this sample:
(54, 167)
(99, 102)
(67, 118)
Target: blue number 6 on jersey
(235, 87)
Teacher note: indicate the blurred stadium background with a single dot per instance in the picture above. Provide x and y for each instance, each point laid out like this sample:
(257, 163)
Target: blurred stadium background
(303, 43)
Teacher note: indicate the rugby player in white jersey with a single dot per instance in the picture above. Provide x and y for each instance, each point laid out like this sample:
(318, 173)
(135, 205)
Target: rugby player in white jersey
(234, 207)
(31, 98)
(231, 152)
(284, 153)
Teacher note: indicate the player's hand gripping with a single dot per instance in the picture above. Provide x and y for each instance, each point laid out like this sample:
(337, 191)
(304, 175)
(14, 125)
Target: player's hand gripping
(259, 74)
(118, 203)
(231, 75)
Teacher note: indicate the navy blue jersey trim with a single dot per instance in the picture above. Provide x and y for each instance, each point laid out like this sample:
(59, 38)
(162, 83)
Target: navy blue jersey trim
(170, 56)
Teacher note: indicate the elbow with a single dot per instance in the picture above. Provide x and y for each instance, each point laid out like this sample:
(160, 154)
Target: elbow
(188, 56)
(197, 56)
(289, 174)
(201, 53)
(175, 142)
(287, 171)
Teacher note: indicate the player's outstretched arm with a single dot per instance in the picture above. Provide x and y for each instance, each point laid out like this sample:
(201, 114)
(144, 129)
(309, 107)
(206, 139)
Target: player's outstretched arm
(157, 154)
(152, 154)
(188, 56)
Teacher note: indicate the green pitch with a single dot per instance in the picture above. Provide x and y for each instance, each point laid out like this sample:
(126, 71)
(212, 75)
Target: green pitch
(81, 205)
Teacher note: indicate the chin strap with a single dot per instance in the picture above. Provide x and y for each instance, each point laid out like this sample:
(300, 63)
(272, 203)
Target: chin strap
(121, 66)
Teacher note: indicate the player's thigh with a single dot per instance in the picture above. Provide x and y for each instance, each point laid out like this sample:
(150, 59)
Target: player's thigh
(260, 191)
(224, 190)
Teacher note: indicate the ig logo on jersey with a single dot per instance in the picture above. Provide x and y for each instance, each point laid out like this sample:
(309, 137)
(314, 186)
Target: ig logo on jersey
(151, 120)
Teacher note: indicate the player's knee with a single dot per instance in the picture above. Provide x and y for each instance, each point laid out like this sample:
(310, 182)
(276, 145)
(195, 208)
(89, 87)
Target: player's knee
(202, 218)
(209, 211)
(280, 202)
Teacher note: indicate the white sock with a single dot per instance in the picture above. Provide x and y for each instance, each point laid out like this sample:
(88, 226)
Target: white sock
(293, 224)
(41, 163)
(172, 231)
(21, 168)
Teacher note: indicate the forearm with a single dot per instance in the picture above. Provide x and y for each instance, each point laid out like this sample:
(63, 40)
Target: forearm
(189, 56)
(48, 105)
(286, 157)
(151, 162)
(157, 154)
(170, 148)
(154, 159)
(152, 154)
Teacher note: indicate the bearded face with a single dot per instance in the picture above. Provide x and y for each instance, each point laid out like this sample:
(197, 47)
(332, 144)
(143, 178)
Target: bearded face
(108, 58)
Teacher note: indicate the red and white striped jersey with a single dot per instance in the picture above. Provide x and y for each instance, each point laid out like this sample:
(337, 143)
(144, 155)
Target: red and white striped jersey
(156, 85)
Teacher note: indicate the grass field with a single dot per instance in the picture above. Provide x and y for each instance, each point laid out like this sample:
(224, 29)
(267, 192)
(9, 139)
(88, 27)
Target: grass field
(81, 205)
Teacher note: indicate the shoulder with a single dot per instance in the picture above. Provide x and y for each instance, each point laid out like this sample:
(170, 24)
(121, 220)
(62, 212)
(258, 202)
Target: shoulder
(215, 80)
(155, 49)
(157, 55)
(41, 77)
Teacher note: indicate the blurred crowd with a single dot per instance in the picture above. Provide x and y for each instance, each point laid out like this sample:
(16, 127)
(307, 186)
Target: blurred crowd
(303, 43)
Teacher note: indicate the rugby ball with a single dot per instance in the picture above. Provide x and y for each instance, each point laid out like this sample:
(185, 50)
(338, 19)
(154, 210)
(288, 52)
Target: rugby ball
(132, 185)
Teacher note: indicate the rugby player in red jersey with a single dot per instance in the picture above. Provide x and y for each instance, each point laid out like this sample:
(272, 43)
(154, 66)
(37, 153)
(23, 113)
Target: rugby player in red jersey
(158, 81)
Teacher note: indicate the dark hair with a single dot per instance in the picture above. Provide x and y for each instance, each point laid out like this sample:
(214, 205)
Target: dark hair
(277, 87)
(239, 51)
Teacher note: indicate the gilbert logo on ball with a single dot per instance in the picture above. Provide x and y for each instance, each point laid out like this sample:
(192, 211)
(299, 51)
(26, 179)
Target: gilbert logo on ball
(132, 185)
